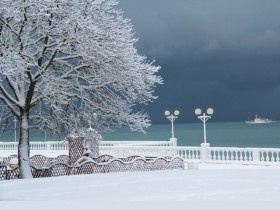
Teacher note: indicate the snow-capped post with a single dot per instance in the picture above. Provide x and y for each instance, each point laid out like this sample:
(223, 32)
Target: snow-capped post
(204, 152)
(256, 155)
(49, 145)
(173, 142)
(59, 58)
(77, 141)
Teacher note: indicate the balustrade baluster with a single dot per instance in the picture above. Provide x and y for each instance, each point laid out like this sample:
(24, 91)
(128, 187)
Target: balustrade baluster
(222, 155)
(211, 154)
(234, 155)
(273, 156)
(214, 155)
(264, 156)
(219, 155)
(251, 155)
(240, 156)
(182, 153)
(189, 154)
(270, 156)
(267, 156)
(229, 153)
(192, 154)
(245, 156)
(261, 154)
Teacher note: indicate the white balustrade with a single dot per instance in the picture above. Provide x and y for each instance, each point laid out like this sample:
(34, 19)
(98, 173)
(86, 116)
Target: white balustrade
(163, 148)
(8, 146)
(269, 155)
(137, 143)
(232, 154)
(61, 145)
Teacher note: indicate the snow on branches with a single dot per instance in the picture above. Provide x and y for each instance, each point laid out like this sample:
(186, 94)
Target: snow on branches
(61, 61)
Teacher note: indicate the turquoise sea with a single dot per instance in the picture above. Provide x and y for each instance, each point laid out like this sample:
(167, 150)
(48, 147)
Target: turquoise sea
(225, 134)
(219, 134)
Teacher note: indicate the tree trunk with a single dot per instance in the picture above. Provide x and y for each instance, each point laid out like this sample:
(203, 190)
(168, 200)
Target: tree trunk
(23, 146)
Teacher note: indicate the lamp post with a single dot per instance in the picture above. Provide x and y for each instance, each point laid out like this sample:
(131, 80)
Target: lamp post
(172, 117)
(93, 117)
(204, 118)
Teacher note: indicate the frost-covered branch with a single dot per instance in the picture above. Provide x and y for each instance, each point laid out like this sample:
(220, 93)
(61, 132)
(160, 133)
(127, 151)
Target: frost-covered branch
(61, 61)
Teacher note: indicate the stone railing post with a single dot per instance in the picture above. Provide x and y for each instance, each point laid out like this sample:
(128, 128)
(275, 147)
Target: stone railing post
(256, 155)
(173, 141)
(77, 141)
(49, 145)
(75, 148)
(204, 152)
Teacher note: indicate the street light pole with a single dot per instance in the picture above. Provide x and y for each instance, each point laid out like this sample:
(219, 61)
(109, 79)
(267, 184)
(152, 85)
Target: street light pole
(204, 118)
(92, 117)
(172, 118)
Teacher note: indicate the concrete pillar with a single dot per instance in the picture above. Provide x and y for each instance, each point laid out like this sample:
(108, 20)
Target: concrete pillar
(77, 140)
(49, 145)
(204, 152)
(256, 156)
(174, 141)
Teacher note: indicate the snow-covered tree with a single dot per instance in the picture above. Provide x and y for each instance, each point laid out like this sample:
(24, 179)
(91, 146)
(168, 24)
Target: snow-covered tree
(63, 60)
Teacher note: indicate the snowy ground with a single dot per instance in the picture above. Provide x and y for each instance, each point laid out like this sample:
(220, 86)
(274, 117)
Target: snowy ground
(254, 186)
(210, 183)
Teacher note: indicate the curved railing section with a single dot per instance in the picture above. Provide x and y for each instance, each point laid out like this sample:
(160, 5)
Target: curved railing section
(42, 166)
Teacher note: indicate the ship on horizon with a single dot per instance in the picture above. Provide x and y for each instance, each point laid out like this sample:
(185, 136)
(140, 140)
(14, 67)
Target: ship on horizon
(259, 120)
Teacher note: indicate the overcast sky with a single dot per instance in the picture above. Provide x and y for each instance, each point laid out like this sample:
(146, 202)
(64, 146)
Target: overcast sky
(223, 54)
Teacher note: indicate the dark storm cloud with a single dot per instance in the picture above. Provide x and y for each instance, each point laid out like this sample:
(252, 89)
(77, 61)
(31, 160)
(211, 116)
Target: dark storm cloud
(220, 53)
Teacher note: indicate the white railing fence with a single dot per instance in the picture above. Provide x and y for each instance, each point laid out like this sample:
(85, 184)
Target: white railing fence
(253, 155)
(205, 153)
(139, 143)
(62, 145)
(190, 153)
